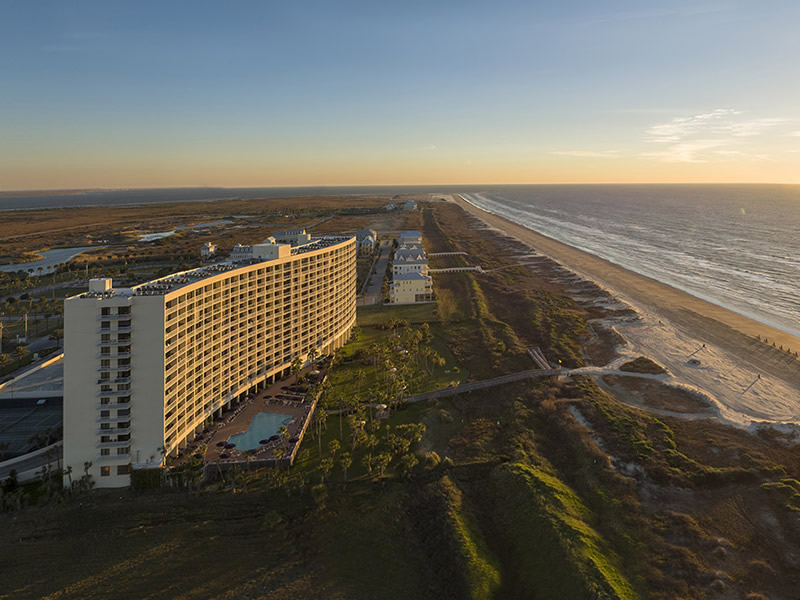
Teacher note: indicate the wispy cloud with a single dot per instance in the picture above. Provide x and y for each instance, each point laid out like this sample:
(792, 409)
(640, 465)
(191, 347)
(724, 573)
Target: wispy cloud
(589, 153)
(721, 134)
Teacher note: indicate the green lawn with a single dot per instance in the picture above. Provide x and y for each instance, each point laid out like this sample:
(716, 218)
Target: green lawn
(357, 356)
(413, 313)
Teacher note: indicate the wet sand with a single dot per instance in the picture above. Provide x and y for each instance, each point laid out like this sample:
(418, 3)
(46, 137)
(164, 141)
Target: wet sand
(675, 324)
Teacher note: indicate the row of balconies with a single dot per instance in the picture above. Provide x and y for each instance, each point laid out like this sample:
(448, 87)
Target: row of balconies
(102, 317)
(114, 431)
(114, 405)
(113, 393)
(115, 343)
(115, 380)
(125, 354)
(116, 444)
(126, 329)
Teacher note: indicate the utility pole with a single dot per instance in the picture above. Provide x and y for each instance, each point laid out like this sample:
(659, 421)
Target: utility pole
(1, 337)
(26, 326)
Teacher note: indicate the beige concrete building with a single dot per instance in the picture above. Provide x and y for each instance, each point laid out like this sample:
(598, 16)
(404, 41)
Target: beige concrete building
(146, 367)
(408, 288)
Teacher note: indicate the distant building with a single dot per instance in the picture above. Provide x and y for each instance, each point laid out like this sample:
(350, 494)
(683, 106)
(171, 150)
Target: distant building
(410, 206)
(366, 239)
(208, 250)
(409, 253)
(410, 279)
(409, 288)
(400, 267)
(295, 237)
(408, 238)
(391, 206)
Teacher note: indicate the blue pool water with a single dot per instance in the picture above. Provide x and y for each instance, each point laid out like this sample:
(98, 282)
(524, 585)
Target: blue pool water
(264, 425)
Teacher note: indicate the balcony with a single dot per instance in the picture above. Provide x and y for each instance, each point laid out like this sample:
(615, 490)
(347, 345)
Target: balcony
(117, 355)
(114, 317)
(123, 444)
(117, 380)
(118, 431)
(117, 419)
(114, 342)
(113, 393)
(114, 406)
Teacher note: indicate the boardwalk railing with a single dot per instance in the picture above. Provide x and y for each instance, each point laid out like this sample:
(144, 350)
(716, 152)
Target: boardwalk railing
(485, 383)
(456, 270)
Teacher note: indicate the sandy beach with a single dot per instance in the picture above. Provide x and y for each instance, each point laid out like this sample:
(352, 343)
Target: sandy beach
(747, 378)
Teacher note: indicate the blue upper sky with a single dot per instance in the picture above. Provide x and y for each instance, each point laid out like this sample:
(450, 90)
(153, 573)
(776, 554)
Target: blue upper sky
(113, 94)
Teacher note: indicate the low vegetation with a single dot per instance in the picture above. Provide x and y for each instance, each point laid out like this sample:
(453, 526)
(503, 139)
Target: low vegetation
(643, 364)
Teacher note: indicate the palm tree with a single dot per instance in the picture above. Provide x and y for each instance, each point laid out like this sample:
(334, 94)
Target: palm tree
(320, 420)
(19, 352)
(57, 335)
(68, 473)
(366, 462)
(5, 360)
(345, 460)
(296, 367)
(283, 431)
(333, 446)
(325, 467)
(359, 377)
(313, 353)
(381, 462)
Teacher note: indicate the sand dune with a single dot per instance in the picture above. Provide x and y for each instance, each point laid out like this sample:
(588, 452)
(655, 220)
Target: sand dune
(676, 326)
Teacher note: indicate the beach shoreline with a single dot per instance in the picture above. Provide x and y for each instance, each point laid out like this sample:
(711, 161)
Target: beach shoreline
(749, 380)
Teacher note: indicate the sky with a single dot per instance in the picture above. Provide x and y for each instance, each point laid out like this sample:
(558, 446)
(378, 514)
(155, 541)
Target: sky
(155, 94)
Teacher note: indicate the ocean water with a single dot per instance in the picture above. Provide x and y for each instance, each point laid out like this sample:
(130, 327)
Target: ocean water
(737, 246)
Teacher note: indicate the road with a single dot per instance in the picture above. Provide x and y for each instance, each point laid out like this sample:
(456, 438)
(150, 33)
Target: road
(373, 292)
(31, 463)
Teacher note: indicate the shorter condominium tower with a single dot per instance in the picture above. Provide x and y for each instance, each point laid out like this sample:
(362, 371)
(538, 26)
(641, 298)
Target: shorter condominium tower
(411, 282)
(146, 367)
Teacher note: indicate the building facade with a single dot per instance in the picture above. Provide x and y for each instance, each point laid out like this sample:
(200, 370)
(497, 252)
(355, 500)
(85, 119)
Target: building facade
(410, 288)
(146, 367)
(411, 281)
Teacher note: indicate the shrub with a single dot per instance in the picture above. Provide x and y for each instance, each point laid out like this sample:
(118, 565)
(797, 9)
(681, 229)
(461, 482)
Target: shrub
(432, 460)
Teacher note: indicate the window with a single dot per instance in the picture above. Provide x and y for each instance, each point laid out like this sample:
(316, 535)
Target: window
(123, 469)
(104, 451)
(105, 471)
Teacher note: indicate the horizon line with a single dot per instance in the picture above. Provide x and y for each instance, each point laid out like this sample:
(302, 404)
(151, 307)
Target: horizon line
(377, 185)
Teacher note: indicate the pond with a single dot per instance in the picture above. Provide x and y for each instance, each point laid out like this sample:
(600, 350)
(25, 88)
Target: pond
(50, 259)
(152, 237)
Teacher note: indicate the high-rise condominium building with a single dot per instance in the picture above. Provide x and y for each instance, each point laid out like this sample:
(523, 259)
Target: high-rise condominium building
(146, 367)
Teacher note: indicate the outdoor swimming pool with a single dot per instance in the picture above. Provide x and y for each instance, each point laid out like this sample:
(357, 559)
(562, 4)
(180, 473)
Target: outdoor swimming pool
(264, 424)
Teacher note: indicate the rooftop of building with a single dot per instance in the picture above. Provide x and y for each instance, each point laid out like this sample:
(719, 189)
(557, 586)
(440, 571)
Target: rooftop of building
(414, 276)
(170, 283)
(299, 231)
(410, 233)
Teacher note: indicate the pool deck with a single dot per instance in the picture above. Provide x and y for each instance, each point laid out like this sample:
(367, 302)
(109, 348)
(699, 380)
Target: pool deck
(238, 420)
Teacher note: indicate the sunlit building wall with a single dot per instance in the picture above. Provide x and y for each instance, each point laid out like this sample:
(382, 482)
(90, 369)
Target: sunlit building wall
(146, 367)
